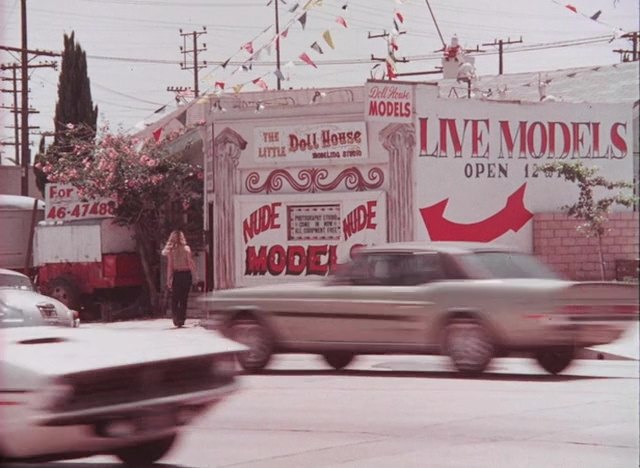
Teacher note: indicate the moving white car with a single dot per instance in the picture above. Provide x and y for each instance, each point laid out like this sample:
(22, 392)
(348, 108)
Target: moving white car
(76, 392)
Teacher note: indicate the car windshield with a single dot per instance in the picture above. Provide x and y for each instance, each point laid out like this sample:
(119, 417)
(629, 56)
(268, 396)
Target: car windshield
(504, 265)
(11, 281)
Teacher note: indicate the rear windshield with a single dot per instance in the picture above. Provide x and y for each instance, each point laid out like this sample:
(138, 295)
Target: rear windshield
(15, 282)
(506, 265)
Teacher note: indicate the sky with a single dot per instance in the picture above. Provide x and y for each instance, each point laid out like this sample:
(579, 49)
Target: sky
(133, 46)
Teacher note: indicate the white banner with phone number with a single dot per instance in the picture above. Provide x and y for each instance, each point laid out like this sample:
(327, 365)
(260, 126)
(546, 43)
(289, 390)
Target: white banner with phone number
(63, 203)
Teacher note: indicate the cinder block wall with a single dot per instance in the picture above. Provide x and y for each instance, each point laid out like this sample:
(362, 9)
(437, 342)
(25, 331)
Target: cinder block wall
(556, 242)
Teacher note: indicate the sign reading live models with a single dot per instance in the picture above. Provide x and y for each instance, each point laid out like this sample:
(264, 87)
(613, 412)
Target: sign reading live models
(344, 141)
(289, 238)
(478, 163)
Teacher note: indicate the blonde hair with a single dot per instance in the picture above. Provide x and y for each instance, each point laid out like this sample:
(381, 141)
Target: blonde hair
(176, 240)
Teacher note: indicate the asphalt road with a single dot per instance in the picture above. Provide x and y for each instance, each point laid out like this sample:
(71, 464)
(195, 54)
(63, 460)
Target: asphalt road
(412, 411)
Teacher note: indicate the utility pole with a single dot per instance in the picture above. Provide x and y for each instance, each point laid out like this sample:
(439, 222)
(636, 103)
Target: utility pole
(195, 66)
(501, 43)
(391, 57)
(14, 67)
(179, 92)
(279, 85)
(632, 55)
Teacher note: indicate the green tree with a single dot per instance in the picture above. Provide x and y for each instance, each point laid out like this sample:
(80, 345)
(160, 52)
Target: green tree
(590, 209)
(144, 180)
(74, 106)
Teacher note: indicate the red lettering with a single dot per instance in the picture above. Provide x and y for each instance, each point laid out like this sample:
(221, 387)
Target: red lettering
(314, 260)
(362, 217)
(296, 260)
(505, 133)
(476, 139)
(531, 140)
(255, 262)
(277, 260)
(261, 220)
(618, 140)
(566, 140)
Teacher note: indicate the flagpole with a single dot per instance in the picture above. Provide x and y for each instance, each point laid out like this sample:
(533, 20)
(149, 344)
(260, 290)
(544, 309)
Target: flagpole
(277, 44)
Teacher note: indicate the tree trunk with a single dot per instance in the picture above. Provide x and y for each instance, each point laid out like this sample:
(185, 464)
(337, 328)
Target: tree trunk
(143, 252)
(601, 257)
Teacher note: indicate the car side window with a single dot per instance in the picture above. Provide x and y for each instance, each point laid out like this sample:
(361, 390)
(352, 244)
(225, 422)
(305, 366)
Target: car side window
(423, 268)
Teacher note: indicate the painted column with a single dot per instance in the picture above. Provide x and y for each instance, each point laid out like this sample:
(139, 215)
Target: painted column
(227, 147)
(400, 141)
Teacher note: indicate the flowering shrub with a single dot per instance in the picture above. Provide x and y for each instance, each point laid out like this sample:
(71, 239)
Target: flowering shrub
(146, 183)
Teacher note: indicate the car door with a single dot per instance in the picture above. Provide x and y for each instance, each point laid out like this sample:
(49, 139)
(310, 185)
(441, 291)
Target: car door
(379, 301)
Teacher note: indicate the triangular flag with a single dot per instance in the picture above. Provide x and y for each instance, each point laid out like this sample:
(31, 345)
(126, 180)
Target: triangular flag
(306, 59)
(344, 7)
(220, 84)
(157, 134)
(279, 75)
(400, 16)
(328, 39)
(237, 88)
(247, 67)
(261, 83)
(294, 8)
(182, 118)
(315, 46)
(248, 47)
(596, 15)
(571, 7)
(342, 21)
(303, 19)
(157, 111)
(396, 28)
(225, 63)
(285, 32)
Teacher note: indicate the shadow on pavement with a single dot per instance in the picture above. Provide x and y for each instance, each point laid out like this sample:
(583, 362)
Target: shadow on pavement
(386, 373)
(72, 464)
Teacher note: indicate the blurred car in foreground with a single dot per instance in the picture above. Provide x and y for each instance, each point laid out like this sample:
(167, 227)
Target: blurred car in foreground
(468, 301)
(70, 393)
(20, 304)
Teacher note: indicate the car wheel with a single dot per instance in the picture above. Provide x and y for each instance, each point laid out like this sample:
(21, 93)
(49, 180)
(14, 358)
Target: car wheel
(65, 291)
(338, 359)
(146, 453)
(257, 338)
(555, 360)
(469, 345)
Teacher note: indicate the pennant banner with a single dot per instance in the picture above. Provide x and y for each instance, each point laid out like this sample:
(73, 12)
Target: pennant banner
(220, 84)
(248, 47)
(237, 88)
(328, 39)
(157, 134)
(303, 19)
(279, 75)
(306, 59)
(342, 21)
(259, 82)
(315, 46)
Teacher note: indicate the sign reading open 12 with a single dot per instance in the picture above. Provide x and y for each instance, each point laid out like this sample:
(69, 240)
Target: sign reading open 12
(64, 203)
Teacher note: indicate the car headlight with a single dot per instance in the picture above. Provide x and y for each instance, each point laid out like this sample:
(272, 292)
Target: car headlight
(53, 395)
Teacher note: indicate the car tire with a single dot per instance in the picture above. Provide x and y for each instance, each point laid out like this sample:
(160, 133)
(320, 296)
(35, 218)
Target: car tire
(469, 345)
(65, 291)
(257, 338)
(146, 453)
(338, 359)
(555, 360)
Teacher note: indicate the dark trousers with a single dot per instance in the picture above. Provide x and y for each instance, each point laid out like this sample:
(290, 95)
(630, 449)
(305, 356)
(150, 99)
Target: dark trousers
(180, 294)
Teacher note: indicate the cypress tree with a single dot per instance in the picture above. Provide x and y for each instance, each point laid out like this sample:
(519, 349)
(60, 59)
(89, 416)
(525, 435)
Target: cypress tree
(74, 105)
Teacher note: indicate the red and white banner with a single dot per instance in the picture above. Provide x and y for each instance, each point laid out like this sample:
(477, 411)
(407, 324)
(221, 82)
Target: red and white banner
(286, 237)
(63, 203)
(318, 142)
(477, 165)
(385, 102)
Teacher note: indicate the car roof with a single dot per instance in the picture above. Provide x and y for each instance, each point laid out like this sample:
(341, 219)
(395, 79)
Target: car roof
(443, 247)
(4, 271)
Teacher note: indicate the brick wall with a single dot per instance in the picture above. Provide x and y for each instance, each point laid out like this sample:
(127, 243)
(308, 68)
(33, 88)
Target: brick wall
(556, 242)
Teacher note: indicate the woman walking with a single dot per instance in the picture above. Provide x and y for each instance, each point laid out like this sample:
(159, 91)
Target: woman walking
(181, 271)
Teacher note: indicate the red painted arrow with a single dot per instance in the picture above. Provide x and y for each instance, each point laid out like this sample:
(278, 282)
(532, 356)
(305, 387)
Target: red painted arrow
(512, 217)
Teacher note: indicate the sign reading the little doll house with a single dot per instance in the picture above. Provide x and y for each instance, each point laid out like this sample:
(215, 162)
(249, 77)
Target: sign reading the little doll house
(343, 141)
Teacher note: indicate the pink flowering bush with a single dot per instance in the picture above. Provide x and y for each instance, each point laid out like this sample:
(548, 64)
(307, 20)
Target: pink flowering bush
(150, 188)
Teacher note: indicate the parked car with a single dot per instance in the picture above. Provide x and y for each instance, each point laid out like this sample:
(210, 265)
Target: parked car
(70, 393)
(468, 301)
(20, 304)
